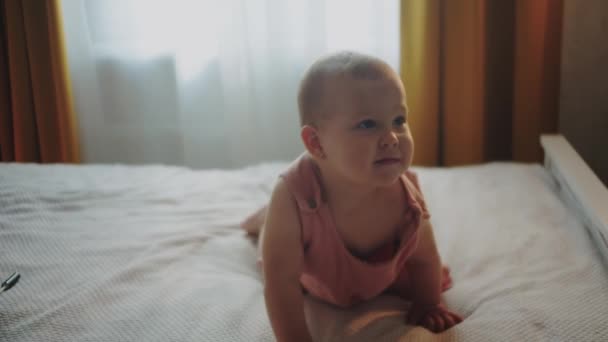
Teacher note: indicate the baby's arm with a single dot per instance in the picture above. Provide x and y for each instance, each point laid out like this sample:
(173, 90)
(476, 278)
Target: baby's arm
(282, 259)
(425, 268)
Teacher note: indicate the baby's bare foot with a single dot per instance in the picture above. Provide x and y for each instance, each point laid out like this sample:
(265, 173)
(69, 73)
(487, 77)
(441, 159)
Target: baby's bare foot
(436, 318)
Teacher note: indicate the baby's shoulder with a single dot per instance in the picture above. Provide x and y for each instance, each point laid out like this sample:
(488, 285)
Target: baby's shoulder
(282, 209)
(302, 181)
(412, 176)
(411, 180)
(415, 195)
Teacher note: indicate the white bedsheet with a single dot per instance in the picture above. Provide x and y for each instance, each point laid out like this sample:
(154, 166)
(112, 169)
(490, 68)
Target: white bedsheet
(119, 253)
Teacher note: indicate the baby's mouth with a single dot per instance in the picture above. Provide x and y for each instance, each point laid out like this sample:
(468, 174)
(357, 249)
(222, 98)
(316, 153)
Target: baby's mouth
(387, 161)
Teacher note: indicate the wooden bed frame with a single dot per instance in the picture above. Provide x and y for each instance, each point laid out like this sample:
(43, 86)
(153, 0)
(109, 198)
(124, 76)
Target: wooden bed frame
(579, 188)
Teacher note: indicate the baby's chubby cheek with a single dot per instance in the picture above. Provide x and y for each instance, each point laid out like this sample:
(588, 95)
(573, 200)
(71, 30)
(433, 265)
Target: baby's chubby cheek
(407, 159)
(407, 151)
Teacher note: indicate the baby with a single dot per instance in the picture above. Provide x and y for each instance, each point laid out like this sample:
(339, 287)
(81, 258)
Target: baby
(347, 220)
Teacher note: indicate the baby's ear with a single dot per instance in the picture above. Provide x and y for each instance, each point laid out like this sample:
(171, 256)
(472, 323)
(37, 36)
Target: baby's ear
(310, 138)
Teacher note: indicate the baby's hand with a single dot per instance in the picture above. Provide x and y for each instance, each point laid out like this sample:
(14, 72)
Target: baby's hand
(436, 318)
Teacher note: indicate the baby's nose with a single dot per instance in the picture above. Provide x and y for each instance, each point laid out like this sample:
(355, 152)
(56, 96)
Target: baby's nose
(389, 140)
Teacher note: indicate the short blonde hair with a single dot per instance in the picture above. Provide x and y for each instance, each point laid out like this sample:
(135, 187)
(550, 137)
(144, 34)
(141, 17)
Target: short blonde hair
(313, 86)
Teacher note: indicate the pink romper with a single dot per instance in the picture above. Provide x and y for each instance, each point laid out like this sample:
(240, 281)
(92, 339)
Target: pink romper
(330, 271)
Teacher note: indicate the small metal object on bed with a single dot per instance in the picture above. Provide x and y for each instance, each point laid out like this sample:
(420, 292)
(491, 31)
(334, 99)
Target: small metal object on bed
(10, 282)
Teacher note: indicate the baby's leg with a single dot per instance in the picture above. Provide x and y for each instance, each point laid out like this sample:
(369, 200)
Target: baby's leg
(253, 224)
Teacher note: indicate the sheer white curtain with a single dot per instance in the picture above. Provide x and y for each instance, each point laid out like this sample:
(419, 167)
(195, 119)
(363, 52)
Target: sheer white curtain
(207, 84)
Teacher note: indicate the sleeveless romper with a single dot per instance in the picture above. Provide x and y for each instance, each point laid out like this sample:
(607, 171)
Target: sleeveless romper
(330, 271)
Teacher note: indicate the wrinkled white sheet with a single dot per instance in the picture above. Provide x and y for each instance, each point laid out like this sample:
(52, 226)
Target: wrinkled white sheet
(123, 253)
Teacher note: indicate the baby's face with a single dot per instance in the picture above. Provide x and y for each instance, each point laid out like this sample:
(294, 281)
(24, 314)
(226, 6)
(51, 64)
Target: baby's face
(366, 137)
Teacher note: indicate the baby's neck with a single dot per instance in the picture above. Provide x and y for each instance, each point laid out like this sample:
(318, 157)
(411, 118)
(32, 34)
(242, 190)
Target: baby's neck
(345, 196)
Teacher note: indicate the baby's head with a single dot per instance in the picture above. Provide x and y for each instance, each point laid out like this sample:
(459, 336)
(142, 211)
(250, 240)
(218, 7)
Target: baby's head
(354, 118)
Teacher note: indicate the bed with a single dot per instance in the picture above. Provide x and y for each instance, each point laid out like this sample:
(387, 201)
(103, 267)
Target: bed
(155, 253)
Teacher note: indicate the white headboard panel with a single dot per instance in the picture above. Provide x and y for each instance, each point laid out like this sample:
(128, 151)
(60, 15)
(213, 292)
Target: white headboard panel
(579, 187)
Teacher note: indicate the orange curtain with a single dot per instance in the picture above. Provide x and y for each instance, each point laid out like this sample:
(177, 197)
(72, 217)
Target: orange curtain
(482, 78)
(37, 121)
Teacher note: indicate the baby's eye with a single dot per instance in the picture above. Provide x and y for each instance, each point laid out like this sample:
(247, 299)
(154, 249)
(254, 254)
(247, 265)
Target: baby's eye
(399, 121)
(367, 124)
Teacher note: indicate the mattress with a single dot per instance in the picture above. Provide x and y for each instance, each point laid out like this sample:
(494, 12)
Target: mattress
(154, 253)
